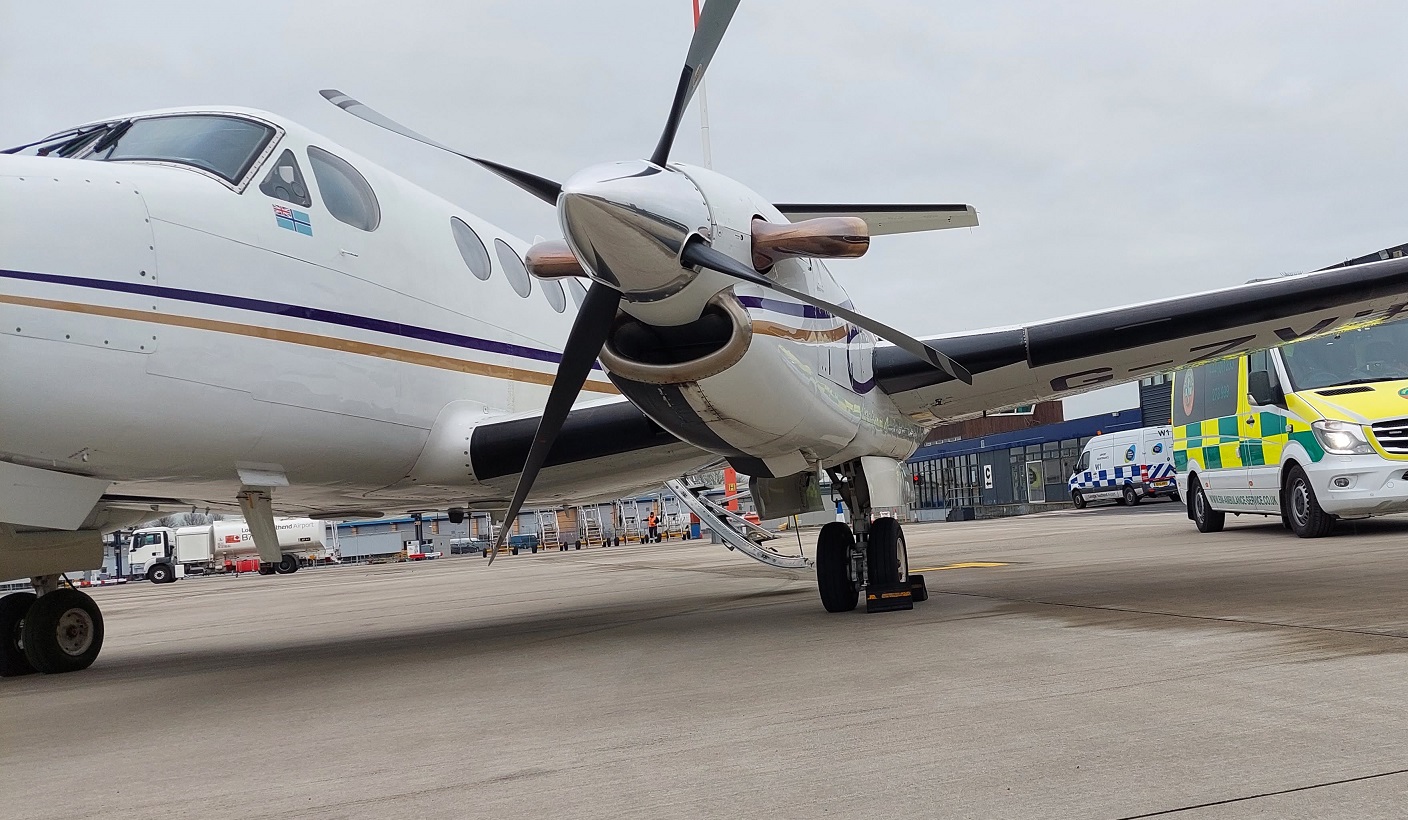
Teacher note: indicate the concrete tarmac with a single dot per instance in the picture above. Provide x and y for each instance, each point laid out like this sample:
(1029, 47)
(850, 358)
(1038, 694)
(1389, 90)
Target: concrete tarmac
(1117, 664)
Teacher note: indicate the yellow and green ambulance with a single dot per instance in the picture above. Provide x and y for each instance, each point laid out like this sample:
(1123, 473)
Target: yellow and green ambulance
(1311, 431)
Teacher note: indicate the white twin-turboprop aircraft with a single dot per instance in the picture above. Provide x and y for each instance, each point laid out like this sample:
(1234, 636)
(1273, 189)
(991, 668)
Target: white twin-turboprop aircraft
(215, 306)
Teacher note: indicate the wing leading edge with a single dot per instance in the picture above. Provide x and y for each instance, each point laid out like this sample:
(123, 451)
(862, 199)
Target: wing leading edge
(1060, 357)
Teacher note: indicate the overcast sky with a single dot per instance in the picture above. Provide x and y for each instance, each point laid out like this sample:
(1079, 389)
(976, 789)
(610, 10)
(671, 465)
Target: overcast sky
(1116, 152)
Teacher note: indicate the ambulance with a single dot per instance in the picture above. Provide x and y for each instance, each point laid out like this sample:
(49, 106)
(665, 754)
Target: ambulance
(1310, 431)
(1127, 466)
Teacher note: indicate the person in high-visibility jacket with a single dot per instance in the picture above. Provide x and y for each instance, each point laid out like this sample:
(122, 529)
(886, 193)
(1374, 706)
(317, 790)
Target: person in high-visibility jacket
(651, 523)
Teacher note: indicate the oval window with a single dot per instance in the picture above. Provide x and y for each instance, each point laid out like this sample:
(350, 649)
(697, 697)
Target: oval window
(345, 192)
(552, 289)
(472, 250)
(513, 268)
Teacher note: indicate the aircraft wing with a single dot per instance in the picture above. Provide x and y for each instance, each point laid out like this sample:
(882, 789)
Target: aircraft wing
(1060, 357)
(606, 450)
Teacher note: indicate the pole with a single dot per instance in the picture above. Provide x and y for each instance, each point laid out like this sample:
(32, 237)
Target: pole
(703, 107)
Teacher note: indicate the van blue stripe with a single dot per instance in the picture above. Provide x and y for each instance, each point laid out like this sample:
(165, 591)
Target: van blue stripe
(296, 311)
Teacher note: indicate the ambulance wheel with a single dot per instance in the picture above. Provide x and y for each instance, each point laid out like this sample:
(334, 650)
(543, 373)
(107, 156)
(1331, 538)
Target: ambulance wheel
(839, 591)
(1131, 495)
(885, 552)
(1078, 499)
(13, 608)
(1204, 516)
(288, 564)
(161, 574)
(1307, 519)
(63, 632)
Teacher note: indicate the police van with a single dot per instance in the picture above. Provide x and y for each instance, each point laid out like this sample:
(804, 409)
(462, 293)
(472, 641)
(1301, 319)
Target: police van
(1311, 431)
(1127, 467)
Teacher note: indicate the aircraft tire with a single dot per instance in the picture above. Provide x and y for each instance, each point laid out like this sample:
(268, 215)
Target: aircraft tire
(1078, 499)
(1130, 495)
(885, 552)
(1307, 518)
(288, 564)
(839, 592)
(63, 632)
(13, 608)
(1204, 516)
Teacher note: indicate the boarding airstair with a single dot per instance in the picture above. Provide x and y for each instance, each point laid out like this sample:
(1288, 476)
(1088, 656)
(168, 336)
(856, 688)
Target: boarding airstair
(632, 524)
(737, 532)
(547, 529)
(589, 526)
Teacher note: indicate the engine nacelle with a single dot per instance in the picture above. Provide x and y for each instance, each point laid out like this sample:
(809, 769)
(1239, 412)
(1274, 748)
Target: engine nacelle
(776, 386)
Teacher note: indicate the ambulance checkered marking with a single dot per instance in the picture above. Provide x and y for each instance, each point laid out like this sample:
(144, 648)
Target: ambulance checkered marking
(1120, 476)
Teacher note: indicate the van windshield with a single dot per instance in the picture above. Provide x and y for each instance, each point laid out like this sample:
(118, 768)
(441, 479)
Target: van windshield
(1372, 354)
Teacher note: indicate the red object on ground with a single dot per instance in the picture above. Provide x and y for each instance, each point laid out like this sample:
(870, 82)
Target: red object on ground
(247, 565)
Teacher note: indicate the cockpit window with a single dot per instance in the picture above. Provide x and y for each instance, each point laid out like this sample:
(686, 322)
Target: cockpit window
(222, 145)
(345, 192)
(285, 181)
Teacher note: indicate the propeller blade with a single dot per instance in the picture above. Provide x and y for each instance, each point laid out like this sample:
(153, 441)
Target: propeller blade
(540, 187)
(713, 22)
(584, 343)
(698, 254)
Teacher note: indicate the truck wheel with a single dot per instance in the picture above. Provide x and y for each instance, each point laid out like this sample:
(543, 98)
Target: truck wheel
(1131, 495)
(161, 574)
(1207, 519)
(63, 632)
(266, 569)
(1078, 499)
(1307, 518)
(13, 608)
(288, 564)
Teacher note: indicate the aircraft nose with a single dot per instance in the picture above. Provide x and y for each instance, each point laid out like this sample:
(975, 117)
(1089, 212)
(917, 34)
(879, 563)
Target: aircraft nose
(627, 222)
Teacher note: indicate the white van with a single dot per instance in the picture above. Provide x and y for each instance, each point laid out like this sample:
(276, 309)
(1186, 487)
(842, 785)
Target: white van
(1126, 466)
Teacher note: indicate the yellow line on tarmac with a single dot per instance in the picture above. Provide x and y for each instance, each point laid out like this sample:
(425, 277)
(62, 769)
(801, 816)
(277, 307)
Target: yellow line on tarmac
(964, 565)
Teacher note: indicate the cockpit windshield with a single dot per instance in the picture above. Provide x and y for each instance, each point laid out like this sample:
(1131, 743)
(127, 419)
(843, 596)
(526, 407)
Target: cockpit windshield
(1372, 354)
(222, 145)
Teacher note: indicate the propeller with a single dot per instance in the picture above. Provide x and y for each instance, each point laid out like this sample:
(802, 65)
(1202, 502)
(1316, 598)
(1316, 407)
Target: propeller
(584, 343)
(699, 255)
(658, 228)
(540, 187)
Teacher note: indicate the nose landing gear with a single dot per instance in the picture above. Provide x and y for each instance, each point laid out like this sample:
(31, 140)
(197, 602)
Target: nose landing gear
(868, 555)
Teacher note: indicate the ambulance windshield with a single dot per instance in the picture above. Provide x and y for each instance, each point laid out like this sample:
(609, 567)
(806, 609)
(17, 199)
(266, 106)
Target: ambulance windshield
(1373, 354)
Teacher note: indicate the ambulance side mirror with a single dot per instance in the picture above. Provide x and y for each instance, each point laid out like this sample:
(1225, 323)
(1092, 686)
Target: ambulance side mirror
(1260, 391)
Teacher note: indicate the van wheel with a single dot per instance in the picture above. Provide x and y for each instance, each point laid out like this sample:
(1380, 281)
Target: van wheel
(1131, 496)
(1306, 518)
(1078, 499)
(1207, 519)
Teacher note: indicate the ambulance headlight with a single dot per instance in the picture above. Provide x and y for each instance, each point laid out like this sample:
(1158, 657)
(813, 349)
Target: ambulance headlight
(1341, 437)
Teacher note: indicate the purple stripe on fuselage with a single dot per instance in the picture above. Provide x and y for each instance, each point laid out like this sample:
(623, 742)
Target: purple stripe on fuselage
(788, 308)
(299, 312)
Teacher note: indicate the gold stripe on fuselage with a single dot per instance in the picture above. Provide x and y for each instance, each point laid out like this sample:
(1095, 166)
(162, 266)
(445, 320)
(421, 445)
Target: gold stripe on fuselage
(396, 354)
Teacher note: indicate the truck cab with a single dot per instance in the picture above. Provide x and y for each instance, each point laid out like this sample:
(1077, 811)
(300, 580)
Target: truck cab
(152, 555)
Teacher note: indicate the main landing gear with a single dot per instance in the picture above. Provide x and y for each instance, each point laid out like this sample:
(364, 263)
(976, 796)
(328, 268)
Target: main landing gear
(864, 555)
(53, 629)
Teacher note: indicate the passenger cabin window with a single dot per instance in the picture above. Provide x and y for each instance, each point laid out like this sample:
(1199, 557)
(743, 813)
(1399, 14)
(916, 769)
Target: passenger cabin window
(285, 181)
(472, 250)
(578, 291)
(513, 268)
(552, 289)
(345, 192)
(221, 145)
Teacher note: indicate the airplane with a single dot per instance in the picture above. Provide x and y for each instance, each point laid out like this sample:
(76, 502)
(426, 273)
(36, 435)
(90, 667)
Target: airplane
(216, 307)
